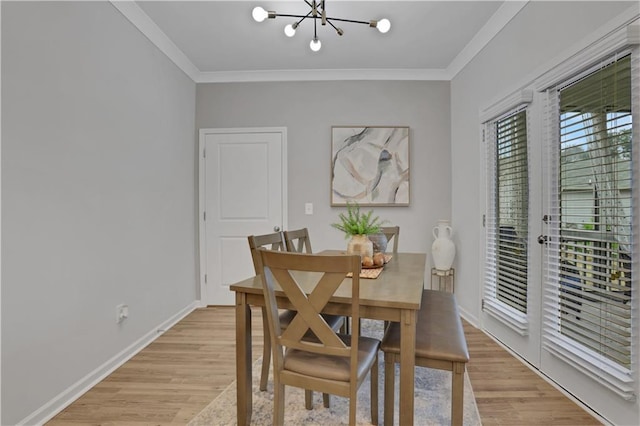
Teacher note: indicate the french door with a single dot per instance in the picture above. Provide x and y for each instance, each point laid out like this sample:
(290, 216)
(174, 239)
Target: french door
(589, 324)
(512, 293)
(561, 216)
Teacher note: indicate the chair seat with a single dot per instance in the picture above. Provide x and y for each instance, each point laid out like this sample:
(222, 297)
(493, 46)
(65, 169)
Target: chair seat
(332, 367)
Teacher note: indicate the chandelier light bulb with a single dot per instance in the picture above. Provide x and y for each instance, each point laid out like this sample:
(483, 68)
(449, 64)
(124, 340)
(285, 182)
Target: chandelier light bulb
(289, 30)
(315, 45)
(259, 14)
(384, 25)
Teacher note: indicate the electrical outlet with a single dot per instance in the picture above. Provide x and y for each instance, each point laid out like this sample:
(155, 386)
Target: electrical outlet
(308, 208)
(122, 313)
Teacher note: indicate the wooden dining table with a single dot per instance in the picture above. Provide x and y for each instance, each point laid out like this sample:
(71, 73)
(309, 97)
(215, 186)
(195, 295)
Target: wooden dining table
(394, 295)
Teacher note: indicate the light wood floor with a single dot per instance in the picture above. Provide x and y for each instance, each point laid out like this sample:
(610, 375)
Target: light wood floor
(177, 375)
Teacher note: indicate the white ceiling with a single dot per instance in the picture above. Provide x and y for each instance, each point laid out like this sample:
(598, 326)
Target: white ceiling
(219, 40)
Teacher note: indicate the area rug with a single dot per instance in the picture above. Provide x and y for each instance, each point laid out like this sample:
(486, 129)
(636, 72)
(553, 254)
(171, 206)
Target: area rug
(432, 400)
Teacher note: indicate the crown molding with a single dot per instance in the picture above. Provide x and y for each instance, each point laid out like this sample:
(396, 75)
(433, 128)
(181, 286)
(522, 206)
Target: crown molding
(494, 25)
(146, 26)
(322, 75)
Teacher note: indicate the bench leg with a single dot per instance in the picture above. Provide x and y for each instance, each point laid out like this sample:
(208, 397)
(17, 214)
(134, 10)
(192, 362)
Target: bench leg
(308, 399)
(457, 393)
(326, 401)
(389, 388)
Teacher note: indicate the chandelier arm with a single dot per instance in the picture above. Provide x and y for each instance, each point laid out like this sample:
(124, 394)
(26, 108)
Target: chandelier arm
(286, 15)
(315, 27)
(302, 19)
(331, 23)
(349, 20)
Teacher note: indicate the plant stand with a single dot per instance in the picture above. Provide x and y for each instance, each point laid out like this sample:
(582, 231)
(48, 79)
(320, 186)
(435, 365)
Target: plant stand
(444, 278)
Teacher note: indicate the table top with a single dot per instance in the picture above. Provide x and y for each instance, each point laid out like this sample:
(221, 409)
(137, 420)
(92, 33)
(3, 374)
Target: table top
(399, 286)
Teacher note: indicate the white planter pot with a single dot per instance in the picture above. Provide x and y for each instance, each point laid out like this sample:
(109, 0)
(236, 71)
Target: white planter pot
(443, 250)
(360, 244)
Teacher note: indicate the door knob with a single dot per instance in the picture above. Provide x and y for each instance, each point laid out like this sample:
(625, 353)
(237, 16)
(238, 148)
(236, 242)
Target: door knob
(276, 228)
(542, 239)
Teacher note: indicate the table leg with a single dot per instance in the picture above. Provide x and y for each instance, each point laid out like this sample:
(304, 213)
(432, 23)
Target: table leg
(243, 359)
(407, 365)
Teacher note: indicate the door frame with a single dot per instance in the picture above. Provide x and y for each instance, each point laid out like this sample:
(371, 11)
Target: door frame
(202, 242)
(524, 336)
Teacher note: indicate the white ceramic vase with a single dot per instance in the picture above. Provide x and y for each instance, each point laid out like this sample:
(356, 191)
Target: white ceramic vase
(443, 250)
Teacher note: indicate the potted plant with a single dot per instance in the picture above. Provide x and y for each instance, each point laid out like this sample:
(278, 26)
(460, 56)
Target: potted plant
(358, 226)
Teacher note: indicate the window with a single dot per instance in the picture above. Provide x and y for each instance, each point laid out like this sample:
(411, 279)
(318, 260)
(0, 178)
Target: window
(507, 221)
(590, 257)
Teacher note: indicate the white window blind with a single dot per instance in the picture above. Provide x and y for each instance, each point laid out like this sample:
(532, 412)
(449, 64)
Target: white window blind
(507, 260)
(588, 265)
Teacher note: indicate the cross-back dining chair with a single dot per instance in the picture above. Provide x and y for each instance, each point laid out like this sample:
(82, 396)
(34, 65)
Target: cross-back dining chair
(275, 241)
(391, 232)
(298, 240)
(332, 363)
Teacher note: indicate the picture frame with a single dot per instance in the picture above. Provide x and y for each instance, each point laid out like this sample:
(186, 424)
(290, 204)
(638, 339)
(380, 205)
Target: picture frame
(370, 165)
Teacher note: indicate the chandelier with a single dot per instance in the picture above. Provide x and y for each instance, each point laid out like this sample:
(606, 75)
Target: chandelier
(318, 12)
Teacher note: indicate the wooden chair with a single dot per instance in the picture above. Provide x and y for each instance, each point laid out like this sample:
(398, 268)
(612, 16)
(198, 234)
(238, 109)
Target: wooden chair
(275, 241)
(391, 232)
(333, 363)
(298, 241)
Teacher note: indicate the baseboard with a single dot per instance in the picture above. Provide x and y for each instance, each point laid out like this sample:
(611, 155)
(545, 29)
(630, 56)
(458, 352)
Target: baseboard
(471, 319)
(75, 391)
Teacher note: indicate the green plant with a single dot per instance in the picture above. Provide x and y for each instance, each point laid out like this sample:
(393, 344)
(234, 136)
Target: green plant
(357, 223)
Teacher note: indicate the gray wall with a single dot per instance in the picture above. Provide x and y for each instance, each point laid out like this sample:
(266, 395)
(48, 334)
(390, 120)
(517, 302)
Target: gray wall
(98, 172)
(541, 32)
(98, 194)
(309, 109)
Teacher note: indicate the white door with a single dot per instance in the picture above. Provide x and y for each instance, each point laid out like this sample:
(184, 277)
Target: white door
(589, 333)
(511, 300)
(242, 193)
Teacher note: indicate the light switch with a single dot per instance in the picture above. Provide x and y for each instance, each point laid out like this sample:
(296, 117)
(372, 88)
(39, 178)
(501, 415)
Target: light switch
(308, 208)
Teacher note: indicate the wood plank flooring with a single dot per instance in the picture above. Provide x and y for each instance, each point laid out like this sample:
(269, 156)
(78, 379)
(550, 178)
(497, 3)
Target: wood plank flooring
(177, 375)
(507, 392)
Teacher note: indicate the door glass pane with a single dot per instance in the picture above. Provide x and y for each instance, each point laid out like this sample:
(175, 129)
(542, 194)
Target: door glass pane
(512, 210)
(595, 190)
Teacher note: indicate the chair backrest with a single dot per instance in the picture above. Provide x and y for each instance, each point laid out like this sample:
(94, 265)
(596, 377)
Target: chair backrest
(309, 293)
(391, 232)
(274, 241)
(298, 241)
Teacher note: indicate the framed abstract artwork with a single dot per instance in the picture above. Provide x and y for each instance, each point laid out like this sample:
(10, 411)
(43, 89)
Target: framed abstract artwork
(370, 166)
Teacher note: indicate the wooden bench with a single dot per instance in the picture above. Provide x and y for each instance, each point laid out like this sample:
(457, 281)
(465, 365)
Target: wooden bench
(440, 344)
